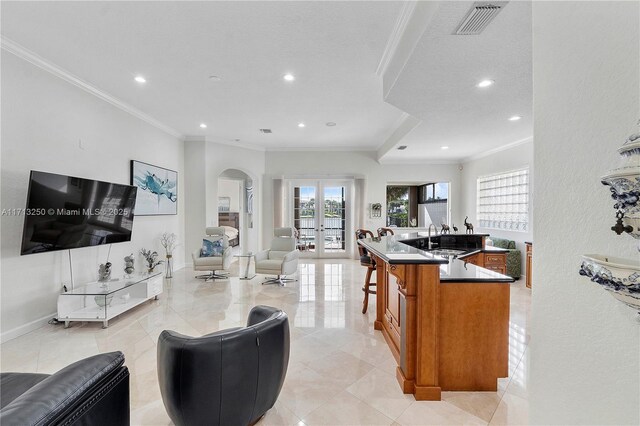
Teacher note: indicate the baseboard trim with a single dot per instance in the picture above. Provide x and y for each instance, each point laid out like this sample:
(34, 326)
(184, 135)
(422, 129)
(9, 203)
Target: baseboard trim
(26, 328)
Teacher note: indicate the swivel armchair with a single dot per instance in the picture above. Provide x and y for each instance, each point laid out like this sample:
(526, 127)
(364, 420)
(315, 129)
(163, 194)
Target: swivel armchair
(230, 377)
(217, 262)
(281, 259)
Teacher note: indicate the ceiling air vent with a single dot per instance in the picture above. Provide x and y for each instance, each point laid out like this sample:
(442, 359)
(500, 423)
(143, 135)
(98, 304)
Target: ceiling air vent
(480, 15)
(265, 131)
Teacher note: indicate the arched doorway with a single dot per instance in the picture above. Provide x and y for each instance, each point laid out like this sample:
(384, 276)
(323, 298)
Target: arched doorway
(236, 208)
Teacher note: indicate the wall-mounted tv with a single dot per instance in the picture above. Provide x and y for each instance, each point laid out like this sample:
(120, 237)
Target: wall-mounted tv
(65, 212)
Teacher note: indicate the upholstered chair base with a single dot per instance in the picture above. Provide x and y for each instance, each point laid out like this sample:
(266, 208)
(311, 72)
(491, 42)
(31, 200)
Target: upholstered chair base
(280, 280)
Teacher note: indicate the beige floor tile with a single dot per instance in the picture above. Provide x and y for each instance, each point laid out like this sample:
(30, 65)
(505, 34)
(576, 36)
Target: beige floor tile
(479, 404)
(512, 410)
(280, 415)
(341, 367)
(425, 413)
(346, 409)
(305, 390)
(340, 372)
(151, 414)
(380, 389)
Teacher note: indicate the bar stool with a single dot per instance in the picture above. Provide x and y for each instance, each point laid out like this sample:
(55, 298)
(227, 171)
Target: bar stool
(366, 260)
(383, 232)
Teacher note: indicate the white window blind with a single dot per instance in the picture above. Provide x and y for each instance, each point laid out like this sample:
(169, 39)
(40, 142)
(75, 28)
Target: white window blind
(503, 201)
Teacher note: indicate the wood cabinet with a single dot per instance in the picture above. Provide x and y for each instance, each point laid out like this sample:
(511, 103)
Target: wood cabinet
(496, 262)
(475, 259)
(528, 266)
(450, 336)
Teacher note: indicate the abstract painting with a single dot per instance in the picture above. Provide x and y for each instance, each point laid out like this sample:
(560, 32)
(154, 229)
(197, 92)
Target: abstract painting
(157, 189)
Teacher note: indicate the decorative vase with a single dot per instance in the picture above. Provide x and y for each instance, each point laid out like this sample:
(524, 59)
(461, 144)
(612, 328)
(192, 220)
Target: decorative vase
(621, 277)
(104, 272)
(169, 268)
(624, 183)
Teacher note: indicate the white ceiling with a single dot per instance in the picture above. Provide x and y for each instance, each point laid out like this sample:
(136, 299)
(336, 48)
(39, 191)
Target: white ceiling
(437, 85)
(333, 49)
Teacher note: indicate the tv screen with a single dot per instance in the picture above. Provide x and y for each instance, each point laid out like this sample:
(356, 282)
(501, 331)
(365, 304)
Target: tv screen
(65, 212)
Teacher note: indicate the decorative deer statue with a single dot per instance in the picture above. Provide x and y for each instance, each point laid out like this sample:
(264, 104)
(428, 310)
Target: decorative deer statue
(468, 225)
(445, 229)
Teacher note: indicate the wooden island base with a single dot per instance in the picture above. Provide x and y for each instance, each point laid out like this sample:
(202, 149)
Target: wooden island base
(445, 336)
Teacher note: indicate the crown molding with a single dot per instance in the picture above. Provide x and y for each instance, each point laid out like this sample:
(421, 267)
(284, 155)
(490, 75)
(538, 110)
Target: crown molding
(496, 150)
(33, 58)
(322, 149)
(414, 161)
(396, 35)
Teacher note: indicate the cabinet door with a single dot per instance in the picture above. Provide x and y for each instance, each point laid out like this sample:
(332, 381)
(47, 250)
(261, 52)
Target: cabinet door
(393, 300)
(392, 311)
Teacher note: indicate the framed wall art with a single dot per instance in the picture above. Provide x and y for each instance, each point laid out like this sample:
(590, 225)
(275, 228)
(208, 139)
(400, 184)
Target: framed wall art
(157, 189)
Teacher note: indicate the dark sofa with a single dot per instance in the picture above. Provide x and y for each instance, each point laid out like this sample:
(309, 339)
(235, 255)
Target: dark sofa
(92, 391)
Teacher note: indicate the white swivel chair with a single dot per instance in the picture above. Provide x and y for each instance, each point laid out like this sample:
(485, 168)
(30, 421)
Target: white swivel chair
(281, 259)
(214, 263)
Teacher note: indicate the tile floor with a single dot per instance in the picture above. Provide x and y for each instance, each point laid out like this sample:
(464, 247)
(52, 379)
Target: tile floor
(340, 372)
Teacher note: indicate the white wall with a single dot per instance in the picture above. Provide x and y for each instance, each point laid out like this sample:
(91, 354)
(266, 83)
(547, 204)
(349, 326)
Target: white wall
(206, 161)
(356, 163)
(517, 157)
(585, 346)
(232, 189)
(43, 121)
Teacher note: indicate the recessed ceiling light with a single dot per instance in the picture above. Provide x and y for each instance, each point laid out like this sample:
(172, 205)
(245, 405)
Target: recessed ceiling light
(203, 126)
(515, 118)
(289, 77)
(330, 124)
(300, 124)
(485, 83)
(140, 79)
(214, 77)
(444, 147)
(236, 140)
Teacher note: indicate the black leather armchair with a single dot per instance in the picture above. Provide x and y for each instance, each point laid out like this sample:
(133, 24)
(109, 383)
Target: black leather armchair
(92, 391)
(230, 377)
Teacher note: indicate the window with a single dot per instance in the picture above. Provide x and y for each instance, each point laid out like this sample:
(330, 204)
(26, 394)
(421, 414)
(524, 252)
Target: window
(398, 206)
(503, 201)
(418, 205)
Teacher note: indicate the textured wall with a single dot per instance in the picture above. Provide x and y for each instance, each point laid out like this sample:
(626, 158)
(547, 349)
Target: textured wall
(43, 121)
(585, 346)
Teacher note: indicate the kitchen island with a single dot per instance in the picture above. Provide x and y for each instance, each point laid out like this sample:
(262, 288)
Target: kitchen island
(446, 320)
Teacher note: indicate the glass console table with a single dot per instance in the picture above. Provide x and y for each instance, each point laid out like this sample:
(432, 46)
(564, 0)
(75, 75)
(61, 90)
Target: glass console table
(102, 301)
(248, 256)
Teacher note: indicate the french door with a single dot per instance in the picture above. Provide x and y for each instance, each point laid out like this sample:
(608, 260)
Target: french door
(320, 212)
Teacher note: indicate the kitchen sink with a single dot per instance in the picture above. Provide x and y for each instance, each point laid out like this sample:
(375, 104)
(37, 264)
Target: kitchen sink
(446, 252)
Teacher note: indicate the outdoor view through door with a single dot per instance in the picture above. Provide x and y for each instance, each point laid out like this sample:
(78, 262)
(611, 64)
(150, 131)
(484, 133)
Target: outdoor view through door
(320, 217)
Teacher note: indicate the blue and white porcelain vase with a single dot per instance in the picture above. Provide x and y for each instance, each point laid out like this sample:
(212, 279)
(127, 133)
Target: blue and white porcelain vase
(621, 277)
(624, 183)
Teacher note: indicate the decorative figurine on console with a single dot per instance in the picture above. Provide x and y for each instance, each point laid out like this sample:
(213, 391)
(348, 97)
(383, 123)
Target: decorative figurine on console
(445, 229)
(455, 228)
(104, 273)
(128, 264)
(151, 257)
(468, 225)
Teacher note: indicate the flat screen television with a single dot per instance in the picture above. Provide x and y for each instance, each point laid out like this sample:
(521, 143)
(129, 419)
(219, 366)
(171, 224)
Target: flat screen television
(65, 212)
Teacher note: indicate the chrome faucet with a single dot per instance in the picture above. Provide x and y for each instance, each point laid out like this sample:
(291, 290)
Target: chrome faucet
(435, 230)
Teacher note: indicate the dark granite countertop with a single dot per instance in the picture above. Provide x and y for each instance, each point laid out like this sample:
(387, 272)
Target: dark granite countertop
(393, 250)
(459, 271)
